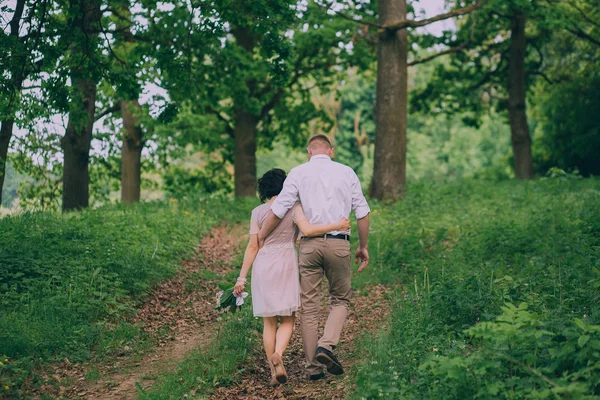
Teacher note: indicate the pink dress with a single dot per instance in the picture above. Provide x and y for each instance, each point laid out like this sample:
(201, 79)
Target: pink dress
(275, 278)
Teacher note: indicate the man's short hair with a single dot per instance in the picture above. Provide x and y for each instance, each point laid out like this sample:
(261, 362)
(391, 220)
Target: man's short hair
(320, 138)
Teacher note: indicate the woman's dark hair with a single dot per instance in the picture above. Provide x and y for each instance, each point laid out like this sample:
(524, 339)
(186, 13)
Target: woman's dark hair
(271, 183)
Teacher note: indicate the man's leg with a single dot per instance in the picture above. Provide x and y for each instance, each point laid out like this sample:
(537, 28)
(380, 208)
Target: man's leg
(311, 275)
(337, 270)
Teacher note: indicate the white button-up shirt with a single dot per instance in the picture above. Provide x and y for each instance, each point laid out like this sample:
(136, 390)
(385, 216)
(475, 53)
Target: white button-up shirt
(327, 190)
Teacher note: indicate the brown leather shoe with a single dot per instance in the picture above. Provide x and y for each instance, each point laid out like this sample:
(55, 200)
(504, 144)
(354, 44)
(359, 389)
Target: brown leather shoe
(280, 373)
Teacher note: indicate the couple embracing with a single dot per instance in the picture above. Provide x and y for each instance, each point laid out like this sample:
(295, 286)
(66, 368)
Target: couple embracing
(315, 200)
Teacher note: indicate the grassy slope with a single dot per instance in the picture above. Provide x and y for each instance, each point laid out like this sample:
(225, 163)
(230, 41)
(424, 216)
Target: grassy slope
(461, 251)
(464, 251)
(68, 281)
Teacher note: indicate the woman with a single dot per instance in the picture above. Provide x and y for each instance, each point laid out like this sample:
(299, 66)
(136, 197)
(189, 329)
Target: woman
(275, 279)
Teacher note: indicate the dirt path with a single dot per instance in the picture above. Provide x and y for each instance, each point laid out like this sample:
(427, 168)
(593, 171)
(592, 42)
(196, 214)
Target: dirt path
(182, 307)
(369, 311)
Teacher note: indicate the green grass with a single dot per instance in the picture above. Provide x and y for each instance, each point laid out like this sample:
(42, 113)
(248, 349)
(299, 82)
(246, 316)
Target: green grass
(68, 282)
(500, 296)
(218, 365)
(499, 291)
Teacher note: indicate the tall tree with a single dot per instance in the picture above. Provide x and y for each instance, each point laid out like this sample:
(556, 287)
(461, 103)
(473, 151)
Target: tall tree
(517, 88)
(250, 72)
(14, 87)
(389, 170)
(129, 90)
(84, 19)
(393, 47)
(494, 65)
(18, 46)
(502, 62)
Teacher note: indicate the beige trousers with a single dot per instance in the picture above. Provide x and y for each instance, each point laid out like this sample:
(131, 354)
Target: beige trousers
(318, 257)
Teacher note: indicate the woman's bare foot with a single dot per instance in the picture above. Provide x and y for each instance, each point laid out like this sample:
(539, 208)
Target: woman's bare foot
(280, 373)
(274, 382)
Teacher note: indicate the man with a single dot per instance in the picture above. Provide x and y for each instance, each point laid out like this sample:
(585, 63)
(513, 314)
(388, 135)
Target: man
(328, 192)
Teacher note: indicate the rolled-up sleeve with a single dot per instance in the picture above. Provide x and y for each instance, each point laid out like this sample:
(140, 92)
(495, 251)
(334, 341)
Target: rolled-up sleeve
(288, 196)
(359, 203)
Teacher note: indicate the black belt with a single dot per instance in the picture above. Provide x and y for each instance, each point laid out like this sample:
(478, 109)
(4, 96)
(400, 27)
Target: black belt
(330, 236)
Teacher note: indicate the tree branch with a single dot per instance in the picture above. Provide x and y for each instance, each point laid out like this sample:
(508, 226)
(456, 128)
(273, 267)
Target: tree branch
(228, 127)
(271, 104)
(488, 75)
(16, 19)
(583, 14)
(409, 23)
(299, 72)
(358, 21)
(540, 55)
(441, 53)
(447, 51)
(543, 75)
(109, 110)
(117, 14)
(582, 35)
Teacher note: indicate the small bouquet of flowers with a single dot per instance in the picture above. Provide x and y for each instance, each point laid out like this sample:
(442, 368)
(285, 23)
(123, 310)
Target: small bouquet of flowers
(228, 301)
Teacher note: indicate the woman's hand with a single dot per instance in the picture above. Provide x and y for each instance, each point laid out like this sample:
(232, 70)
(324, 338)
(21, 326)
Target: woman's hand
(239, 288)
(344, 224)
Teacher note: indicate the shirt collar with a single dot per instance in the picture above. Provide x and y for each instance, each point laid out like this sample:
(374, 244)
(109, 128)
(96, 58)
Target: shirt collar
(320, 157)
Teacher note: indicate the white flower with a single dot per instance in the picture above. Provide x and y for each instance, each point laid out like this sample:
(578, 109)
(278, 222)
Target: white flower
(239, 300)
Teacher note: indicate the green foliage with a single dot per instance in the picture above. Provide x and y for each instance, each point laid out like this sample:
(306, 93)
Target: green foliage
(248, 69)
(497, 300)
(212, 179)
(279, 157)
(473, 80)
(66, 280)
(562, 47)
(444, 148)
(517, 356)
(568, 137)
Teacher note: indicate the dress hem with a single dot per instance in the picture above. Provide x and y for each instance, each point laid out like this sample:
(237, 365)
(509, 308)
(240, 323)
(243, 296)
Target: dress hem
(282, 313)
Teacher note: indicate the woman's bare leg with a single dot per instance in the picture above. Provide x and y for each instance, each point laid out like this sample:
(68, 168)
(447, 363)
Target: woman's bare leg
(284, 334)
(269, 335)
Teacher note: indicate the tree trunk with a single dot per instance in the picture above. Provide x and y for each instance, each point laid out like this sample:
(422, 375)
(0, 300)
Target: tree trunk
(78, 137)
(245, 129)
(5, 135)
(245, 153)
(76, 146)
(389, 172)
(521, 140)
(131, 153)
